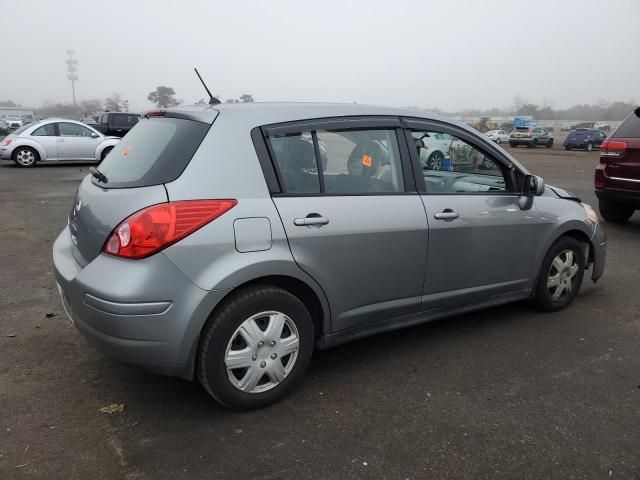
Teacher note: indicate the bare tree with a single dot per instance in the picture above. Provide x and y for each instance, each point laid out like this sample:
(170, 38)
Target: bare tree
(116, 103)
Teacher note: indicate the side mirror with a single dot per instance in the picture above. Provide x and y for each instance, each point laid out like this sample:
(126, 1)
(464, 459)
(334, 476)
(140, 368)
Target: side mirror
(533, 186)
(94, 135)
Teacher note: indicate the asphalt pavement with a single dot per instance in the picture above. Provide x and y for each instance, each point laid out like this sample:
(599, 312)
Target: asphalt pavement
(500, 394)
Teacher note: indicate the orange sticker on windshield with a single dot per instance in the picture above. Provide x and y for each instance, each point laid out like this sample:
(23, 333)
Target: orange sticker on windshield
(126, 150)
(367, 161)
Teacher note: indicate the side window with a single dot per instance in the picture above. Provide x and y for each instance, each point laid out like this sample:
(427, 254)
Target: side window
(296, 160)
(455, 166)
(360, 161)
(73, 130)
(350, 161)
(48, 130)
(104, 119)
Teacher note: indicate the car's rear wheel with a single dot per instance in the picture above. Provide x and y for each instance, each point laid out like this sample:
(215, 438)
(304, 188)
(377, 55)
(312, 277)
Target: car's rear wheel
(512, 144)
(105, 152)
(434, 162)
(498, 141)
(560, 276)
(25, 157)
(549, 144)
(589, 147)
(615, 212)
(256, 348)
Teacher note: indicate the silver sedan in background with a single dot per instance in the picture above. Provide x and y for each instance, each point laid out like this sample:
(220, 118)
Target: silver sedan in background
(55, 139)
(498, 136)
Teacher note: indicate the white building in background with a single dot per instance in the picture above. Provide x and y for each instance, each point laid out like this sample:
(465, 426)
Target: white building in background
(21, 112)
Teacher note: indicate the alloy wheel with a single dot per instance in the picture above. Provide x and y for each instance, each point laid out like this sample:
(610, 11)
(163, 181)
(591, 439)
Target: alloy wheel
(262, 352)
(25, 157)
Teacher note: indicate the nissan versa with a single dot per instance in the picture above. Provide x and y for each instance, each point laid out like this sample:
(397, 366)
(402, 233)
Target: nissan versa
(226, 242)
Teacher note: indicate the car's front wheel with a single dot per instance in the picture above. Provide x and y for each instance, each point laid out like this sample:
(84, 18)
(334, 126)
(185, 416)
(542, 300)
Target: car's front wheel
(615, 212)
(560, 276)
(589, 147)
(498, 141)
(549, 144)
(105, 152)
(25, 157)
(256, 347)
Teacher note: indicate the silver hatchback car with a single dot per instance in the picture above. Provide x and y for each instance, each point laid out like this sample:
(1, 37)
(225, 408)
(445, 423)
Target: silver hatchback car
(226, 242)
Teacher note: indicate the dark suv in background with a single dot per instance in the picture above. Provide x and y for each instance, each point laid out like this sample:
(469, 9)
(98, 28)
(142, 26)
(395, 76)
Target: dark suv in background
(617, 179)
(115, 124)
(584, 138)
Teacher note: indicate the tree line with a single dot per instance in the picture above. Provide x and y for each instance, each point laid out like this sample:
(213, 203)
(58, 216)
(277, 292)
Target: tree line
(162, 97)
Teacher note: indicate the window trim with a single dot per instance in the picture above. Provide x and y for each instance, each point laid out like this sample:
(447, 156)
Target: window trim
(486, 148)
(271, 169)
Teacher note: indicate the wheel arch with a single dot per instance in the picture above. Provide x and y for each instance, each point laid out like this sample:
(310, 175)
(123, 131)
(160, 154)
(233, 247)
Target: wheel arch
(42, 154)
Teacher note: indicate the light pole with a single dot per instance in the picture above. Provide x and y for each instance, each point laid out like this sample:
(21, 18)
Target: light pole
(72, 75)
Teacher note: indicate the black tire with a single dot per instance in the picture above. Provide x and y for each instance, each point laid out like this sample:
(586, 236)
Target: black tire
(512, 145)
(222, 326)
(434, 162)
(105, 152)
(615, 212)
(542, 298)
(533, 143)
(19, 154)
(549, 144)
(567, 148)
(589, 147)
(498, 141)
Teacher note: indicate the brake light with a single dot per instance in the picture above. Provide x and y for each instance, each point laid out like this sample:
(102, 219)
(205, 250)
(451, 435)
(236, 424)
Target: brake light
(154, 228)
(7, 141)
(156, 113)
(612, 148)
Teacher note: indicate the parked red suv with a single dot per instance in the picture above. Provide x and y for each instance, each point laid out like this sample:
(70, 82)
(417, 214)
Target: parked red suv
(617, 180)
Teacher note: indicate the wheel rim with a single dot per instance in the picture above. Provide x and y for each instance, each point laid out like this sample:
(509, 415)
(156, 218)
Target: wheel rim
(589, 147)
(435, 161)
(25, 157)
(562, 274)
(262, 352)
(498, 141)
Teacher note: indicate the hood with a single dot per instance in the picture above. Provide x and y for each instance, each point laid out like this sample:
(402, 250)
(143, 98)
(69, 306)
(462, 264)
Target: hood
(562, 193)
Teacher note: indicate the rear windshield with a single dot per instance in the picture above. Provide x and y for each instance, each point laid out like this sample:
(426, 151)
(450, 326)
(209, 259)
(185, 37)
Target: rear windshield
(155, 151)
(124, 119)
(630, 128)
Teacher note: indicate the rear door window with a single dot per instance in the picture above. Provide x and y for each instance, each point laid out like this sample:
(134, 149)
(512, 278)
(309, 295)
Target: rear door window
(155, 151)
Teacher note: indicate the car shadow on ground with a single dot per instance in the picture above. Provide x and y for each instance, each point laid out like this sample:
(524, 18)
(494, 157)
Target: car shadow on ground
(329, 369)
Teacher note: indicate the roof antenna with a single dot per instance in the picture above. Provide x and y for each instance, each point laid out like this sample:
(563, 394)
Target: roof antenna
(212, 100)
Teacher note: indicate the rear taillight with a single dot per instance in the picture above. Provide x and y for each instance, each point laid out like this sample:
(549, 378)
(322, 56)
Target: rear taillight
(155, 228)
(7, 141)
(612, 148)
(156, 113)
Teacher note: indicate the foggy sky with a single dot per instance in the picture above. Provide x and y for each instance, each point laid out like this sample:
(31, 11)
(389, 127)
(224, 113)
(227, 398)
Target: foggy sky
(451, 55)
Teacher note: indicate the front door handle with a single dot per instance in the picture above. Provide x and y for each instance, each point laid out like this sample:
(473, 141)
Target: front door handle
(61, 139)
(447, 214)
(313, 219)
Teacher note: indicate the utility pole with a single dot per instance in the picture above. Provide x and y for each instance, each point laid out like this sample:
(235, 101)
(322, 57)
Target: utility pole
(72, 75)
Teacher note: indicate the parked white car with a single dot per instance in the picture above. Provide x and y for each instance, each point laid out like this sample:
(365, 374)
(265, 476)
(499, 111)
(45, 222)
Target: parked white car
(55, 139)
(498, 136)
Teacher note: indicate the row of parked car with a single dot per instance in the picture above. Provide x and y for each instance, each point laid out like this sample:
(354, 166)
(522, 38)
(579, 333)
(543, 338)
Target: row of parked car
(580, 138)
(57, 139)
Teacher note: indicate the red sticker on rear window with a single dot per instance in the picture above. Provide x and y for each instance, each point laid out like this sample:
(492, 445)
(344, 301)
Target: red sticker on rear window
(367, 161)
(126, 150)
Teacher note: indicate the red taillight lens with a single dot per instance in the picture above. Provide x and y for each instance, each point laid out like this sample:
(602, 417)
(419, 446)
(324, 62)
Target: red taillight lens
(599, 179)
(155, 228)
(8, 141)
(612, 148)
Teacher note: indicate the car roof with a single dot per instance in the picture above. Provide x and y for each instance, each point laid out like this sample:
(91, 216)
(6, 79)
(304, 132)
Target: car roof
(263, 113)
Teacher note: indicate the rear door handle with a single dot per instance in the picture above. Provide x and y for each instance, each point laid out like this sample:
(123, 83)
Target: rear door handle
(313, 219)
(447, 214)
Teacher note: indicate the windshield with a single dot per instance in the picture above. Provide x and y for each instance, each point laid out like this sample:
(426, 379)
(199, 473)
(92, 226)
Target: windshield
(155, 151)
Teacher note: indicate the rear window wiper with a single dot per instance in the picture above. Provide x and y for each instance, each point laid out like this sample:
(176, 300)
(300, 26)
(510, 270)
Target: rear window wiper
(98, 175)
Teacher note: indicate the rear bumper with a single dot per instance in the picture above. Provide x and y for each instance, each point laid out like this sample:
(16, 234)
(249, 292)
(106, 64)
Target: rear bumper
(142, 312)
(619, 195)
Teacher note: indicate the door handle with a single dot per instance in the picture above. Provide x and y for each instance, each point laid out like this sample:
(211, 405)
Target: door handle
(447, 214)
(61, 139)
(313, 219)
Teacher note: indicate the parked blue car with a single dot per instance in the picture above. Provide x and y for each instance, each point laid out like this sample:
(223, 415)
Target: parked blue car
(584, 138)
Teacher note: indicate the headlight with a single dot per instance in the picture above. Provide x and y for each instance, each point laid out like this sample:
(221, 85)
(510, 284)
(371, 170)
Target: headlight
(591, 213)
